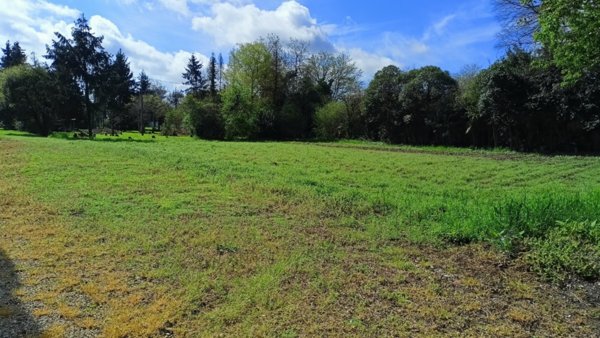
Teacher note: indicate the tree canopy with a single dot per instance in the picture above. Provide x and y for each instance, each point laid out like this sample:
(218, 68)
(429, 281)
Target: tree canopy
(542, 95)
(194, 78)
(12, 55)
(82, 60)
(570, 31)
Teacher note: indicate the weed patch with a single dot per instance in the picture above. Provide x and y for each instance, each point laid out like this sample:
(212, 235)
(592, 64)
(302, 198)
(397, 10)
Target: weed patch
(571, 249)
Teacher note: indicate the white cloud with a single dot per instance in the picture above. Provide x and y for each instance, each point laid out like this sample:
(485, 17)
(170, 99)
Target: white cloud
(33, 23)
(368, 62)
(126, 2)
(404, 48)
(441, 25)
(453, 38)
(162, 66)
(230, 24)
(178, 6)
(181, 7)
(61, 11)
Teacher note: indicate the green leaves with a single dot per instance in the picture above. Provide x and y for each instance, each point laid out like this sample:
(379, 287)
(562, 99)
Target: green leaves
(570, 30)
(331, 121)
(29, 94)
(81, 62)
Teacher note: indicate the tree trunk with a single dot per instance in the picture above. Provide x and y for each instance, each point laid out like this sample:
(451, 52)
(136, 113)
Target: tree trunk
(142, 129)
(88, 112)
(153, 121)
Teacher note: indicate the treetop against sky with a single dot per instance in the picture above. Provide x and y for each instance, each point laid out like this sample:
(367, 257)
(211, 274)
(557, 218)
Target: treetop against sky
(159, 36)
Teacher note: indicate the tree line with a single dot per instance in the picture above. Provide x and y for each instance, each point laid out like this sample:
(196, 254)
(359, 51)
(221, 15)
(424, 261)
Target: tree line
(543, 95)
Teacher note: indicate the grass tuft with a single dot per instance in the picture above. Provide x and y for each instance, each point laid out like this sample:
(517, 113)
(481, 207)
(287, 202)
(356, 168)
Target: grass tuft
(571, 249)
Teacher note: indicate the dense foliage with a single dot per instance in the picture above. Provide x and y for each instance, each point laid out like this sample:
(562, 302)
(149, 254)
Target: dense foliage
(12, 55)
(542, 96)
(569, 30)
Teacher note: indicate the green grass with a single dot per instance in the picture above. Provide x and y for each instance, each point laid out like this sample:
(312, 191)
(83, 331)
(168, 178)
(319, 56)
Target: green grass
(266, 238)
(425, 196)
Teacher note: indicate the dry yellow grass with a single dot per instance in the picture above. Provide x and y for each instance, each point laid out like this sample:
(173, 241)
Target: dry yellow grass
(59, 266)
(5, 311)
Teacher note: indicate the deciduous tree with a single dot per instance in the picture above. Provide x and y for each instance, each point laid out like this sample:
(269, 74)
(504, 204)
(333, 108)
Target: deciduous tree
(570, 30)
(383, 114)
(29, 92)
(243, 102)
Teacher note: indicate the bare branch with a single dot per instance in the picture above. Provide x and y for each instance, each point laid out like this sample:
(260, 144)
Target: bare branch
(519, 19)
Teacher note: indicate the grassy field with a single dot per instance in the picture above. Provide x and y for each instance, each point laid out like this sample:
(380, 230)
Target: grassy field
(153, 236)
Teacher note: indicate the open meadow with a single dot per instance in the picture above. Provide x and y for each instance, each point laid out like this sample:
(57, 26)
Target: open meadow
(299, 168)
(156, 236)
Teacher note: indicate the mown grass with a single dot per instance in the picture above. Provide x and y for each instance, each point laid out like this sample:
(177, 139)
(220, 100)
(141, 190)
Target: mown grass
(497, 196)
(288, 239)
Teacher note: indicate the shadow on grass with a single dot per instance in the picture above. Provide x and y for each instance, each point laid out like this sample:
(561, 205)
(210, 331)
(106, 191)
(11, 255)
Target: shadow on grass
(118, 140)
(114, 139)
(23, 134)
(15, 320)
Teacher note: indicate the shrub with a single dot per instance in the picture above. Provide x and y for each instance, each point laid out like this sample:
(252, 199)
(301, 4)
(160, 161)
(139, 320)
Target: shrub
(331, 121)
(28, 96)
(174, 122)
(240, 113)
(571, 249)
(207, 122)
(203, 118)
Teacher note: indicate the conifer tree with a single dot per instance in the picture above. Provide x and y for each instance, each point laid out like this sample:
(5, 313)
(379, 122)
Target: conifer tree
(13, 55)
(83, 60)
(143, 87)
(194, 79)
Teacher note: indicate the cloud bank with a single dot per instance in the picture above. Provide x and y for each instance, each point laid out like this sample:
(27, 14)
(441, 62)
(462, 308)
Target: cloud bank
(219, 25)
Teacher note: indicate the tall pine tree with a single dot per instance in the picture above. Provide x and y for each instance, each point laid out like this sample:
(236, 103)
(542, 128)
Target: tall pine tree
(5, 61)
(120, 87)
(212, 77)
(143, 87)
(82, 59)
(221, 71)
(13, 55)
(193, 77)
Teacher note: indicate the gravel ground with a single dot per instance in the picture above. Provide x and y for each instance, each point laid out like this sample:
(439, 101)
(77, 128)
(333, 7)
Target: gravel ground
(15, 318)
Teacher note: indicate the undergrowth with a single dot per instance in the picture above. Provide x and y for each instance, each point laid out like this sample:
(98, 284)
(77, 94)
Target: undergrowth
(552, 229)
(570, 249)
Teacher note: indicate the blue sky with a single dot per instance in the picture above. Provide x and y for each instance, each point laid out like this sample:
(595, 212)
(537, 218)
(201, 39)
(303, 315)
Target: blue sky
(160, 35)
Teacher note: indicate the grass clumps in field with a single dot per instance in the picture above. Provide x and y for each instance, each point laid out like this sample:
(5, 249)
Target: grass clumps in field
(552, 228)
(571, 248)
